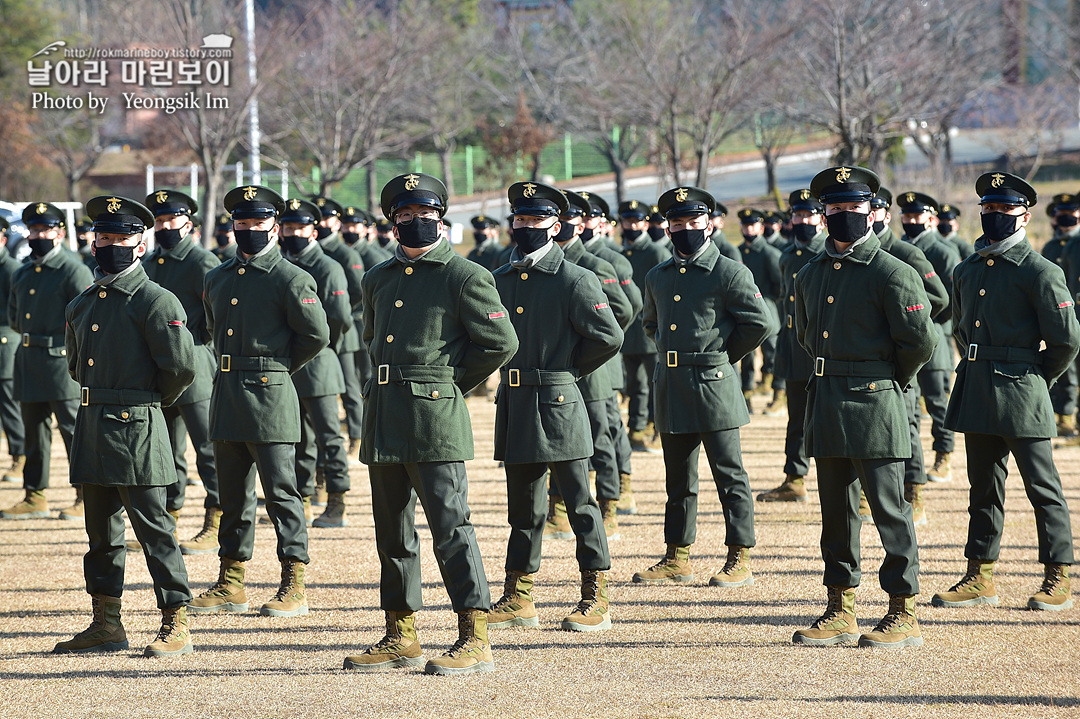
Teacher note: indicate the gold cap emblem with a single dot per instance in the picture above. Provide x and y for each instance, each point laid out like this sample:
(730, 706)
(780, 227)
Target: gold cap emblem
(997, 180)
(843, 174)
(41, 208)
(681, 193)
(350, 211)
(412, 182)
(249, 193)
(161, 196)
(529, 190)
(633, 204)
(113, 204)
(321, 201)
(804, 195)
(1066, 198)
(294, 204)
(584, 195)
(909, 197)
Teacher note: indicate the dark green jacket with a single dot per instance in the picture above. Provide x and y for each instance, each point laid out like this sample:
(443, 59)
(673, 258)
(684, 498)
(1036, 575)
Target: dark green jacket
(486, 254)
(224, 253)
(868, 307)
(944, 257)
(1070, 265)
(371, 254)
(265, 315)
(1054, 248)
(909, 254)
(625, 272)
(763, 260)
(350, 262)
(792, 362)
(126, 344)
(726, 248)
(962, 247)
(182, 271)
(1014, 300)
(87, 257)
(438, 326)
(564, 325)
(644, 254)
(777, 240)
(322, 376)
(40, 292)
(709, 305)
(9, 339)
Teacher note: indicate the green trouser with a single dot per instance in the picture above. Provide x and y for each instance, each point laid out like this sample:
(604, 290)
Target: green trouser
(321, 444)
(526, 510)
(191, 420)
(934, 385)
(722, 447)
(795, 460)
(639, 380)
(604, 460)
(37, 422)
(11, 419)
(443, 490)
(883, 482)
(103, 564)
(914, 466)
(988, 457)
(352, 398)
(620, 439)
(276, 464)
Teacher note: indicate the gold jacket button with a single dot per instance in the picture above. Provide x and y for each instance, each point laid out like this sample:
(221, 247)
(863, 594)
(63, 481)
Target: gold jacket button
(241, 271)
(103, 294)
(398, 303)
(27, 315)
(561, 398)
(33, 291)
(90, 361)
(978, 324)
(674, 327)
(982, 292)
(682, 270)
(678, 298)
(836, 265)
(233, 301)
(408, 270)
(989, 263)
(435, 394)
(264, 379)
(3, 340)
(830, 299)
(94, 327)
(229, 332)
(520, 310)
(791, 298)
(389, 338)
(720, 373)
(825, 334)
(524, 275)
(125, 415)
(63, 352)
(798, 253)
(161, 260)
(37, 269)
(871, 386)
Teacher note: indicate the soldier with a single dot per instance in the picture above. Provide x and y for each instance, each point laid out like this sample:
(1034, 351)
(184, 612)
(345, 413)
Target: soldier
(332, 245)
(84, 237)
(764, 262)
(948, 227)
(40, 290)
(717, 221)
(320, 381)
(1064, 250)
(566, 330)
(435, 329)
(384, 234)
(225, 248)
(266, 322)
(792, 362)
(705, 314)
(127, 346)
(862, 315)
(639, 350)
(658, 228)
(486, 237)
(773, 223)
(180, 266)
(10, 415)
(1010, 303)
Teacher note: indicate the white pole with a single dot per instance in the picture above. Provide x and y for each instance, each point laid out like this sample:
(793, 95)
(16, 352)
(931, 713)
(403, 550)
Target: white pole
(195, 180)
(239, 174)
(149, 178)
(254, 137)
(285, 180)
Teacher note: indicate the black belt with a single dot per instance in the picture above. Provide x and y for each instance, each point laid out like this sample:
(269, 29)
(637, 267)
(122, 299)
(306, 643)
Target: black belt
(537, 377)
(838, 368)
(29, 340)
(91, 395)
(413, 373)
(695, 359)
(1002, 354)
(234, 363)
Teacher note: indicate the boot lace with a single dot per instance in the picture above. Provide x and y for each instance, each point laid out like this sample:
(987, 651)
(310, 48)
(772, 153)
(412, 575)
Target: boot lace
(1052, 580)
(832, 613)
(288, 582)
(168, 626)
(666, 561)
(734, 560)
(967, 581)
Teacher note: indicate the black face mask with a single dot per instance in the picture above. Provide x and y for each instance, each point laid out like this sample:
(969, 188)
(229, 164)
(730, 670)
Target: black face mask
(997, 225)
(419, 232)
(1067, 221)
(40, 248)
(114, 258)
(351, 238)
(222, 239)
(657, 233)
(384, 240)
(913, 229)
(80, 241)
(688, 241)
(787, 232)
(804, 232)
(630, 236)
(586, 234)
(847, 227)
(945, 229)
(323, 232)
(168, 238)
(879, 227)
(531, 239)
(294, 244)
(749, 238)
(479, 237)
(251, 242)
(566, 232)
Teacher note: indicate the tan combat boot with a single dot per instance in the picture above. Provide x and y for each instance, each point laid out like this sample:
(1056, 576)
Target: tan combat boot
(975, 587)
(764, 386)
(837, 625)
(673, 567)
(173, 639)
(793, 489)
(592, 613)
(516, 607)
(334, 515)
(913, 496)
(321, 497)
(941, 471)
(558, 524)
(736, 571)
(608, 513)
(627, 503)
(105, 633)
(777, 406)
(471, 653)
(399, 648)
(1055, 594)
(227, 594)
(1066, 426)
(290, 600)
(864, 508)
(33, 506)
(14, 473)
(75, 511)
(206, 541)
(898, 628)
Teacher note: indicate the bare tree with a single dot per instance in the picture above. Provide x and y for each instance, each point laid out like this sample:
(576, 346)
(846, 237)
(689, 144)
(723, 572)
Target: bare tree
(72, 140)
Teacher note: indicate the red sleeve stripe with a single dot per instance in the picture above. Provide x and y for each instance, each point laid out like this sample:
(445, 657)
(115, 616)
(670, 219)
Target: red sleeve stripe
(600, 306)
(307, 301)
(932, 274)
(913, 308)
(757, 294)
(1067, 303)
(625, 282)
(496, 315)
(358, 267)
(608, 282)
(176, 323)
(339, 292)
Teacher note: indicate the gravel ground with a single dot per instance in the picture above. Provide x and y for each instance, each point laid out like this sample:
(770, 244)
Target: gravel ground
(689, 650)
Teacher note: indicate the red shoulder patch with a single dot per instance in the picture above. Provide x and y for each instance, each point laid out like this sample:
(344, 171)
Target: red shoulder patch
(496, 315)
(600, 306)
(914, 308)
(175, 323)
(757, 294)
(1067, 303)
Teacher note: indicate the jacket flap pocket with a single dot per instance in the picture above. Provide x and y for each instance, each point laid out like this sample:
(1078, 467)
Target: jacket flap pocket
(711, 374)
(1012, 370)
(432, 390)
(558, 395)
(872, 385)
(263, 379)
(125, 414)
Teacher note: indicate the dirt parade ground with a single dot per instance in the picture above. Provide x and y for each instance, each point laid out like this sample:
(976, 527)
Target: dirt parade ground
(673, 651)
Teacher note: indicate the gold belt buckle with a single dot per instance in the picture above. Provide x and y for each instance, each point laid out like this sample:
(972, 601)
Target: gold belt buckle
(384, 374)
(84, 398)
(26, 339)
(514, 377)
(226, 363)
(672, 358)
(819, 366)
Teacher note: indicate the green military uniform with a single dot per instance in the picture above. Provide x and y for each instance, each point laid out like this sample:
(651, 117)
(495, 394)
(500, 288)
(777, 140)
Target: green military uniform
(727, 249)
(658, 229)
(864, 317)
(320, 381)
(226, 247)
(435, 329)
(705, 314)
(773, 222)
(266, 322)
(128, 349)
(487, 249)
(82, 227)
(10, 414)
(180, 266)
(764, 262)
(947, 215)
(40, 290)
(1008, 303)
(1064, 250)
